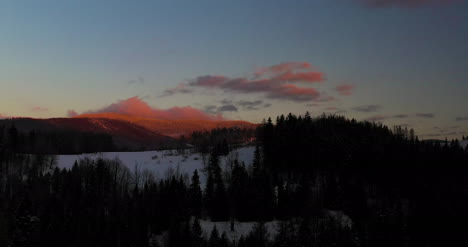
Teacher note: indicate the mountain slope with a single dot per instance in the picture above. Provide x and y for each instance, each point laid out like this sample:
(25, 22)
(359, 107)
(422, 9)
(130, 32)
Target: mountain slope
(125, 134)
(172, 128)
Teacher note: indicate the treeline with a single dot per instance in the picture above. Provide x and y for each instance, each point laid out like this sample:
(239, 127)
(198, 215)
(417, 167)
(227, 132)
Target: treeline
(102, 203)
(220, 139)
(398, 190)
(54, 142)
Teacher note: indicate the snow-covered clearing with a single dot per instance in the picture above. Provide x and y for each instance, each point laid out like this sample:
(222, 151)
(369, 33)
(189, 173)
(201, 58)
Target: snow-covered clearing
(164, 163)
(240, 228)
(244, 228)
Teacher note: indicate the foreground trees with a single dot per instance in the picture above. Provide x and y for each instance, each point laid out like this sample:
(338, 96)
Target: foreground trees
(327, 181)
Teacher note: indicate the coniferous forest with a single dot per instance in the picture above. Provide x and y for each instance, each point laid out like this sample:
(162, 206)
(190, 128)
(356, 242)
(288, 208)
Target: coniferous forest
(395, 189)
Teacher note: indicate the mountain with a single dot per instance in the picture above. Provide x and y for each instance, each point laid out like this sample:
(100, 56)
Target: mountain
(125, 135)
(172, 128)
(127, 132)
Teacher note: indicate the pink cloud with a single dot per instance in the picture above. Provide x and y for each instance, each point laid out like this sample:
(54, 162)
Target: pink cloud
(275, 81)
(294, 93)
(345, 89)
(405, 3)
(39, 109)
(136, 107)
(282, 68)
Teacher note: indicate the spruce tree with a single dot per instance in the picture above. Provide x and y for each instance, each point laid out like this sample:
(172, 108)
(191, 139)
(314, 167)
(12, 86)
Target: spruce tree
(214, 238)
(197, 234)
(195, 195)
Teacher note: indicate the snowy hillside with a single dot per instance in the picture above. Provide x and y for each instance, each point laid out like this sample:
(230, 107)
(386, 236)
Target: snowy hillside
(464, 143)
(163, 163)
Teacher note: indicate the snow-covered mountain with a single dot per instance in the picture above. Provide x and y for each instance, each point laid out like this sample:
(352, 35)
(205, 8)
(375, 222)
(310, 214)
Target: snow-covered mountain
(170, 127)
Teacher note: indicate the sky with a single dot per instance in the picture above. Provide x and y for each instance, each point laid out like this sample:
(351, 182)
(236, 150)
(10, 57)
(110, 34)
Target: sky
(400, 62)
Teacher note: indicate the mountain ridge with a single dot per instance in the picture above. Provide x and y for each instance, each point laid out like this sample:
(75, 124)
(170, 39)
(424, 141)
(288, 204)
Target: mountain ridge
(173, 128)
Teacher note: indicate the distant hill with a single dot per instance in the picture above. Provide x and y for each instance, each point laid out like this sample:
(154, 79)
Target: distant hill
(172, 128)
(127, 132)
(125, 135)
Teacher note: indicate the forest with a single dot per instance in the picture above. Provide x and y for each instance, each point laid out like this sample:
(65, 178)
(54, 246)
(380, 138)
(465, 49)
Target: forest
(396, 189)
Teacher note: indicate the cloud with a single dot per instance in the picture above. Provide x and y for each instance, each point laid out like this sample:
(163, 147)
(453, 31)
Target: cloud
(212, 109)
(136, 107)
(276, 82)
(465, 118)
(39, 109)
(282, 68)
(425, 115)
(252, 105)
(404, 3)
(227, 108)
(72, 113)
(140, 80)
(345, 89)
(400, 116)
(376, 118)
(180, 88)
(367, 108)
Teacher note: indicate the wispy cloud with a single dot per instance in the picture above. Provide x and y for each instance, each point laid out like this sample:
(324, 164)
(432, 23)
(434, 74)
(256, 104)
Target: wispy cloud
(252, 105)
(276, 82)
(140, 80)
(400, 116)
(345, 89)
(180, 88)
(39, 109)
(229, 107)
(425, 115)
(376, 118)
(367, 108)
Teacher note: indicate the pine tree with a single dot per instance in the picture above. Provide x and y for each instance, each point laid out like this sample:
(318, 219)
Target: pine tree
(286, 236)
(256, 166)
(214, 238)
(197, 232)
(258, 237)
(223, 241)
(195, 195)
(215, 192)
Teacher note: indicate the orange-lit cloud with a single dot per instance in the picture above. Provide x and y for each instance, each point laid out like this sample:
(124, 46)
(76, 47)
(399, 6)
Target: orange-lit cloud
(282, 68)
(39, 109)
(276, 82)
(136, 107)
(345, 89)
(404, 3)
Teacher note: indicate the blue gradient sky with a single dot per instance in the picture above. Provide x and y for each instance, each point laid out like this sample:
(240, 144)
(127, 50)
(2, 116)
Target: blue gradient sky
(85, 55)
